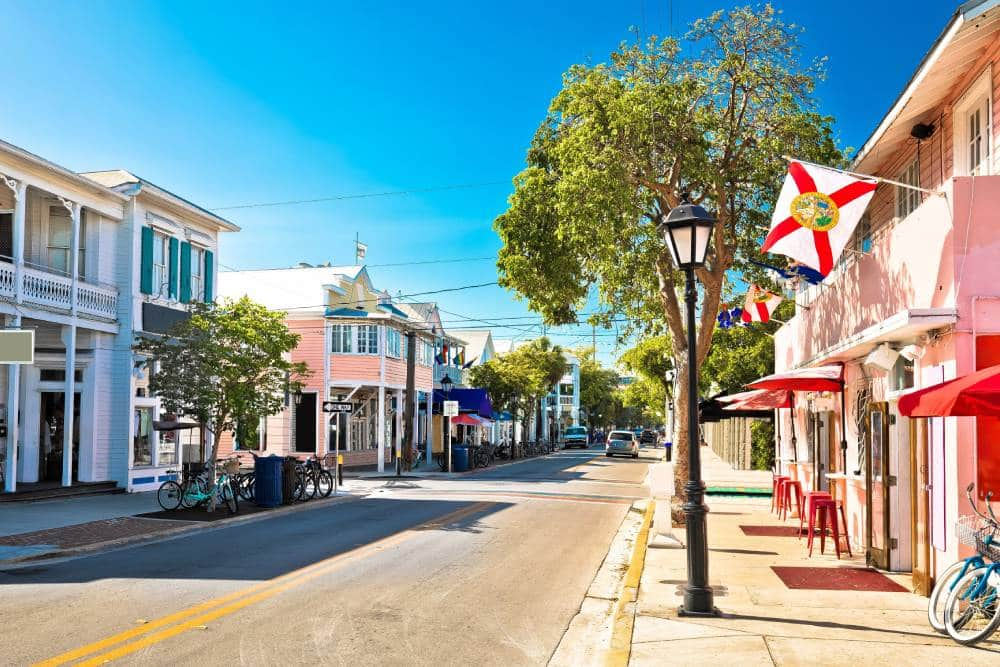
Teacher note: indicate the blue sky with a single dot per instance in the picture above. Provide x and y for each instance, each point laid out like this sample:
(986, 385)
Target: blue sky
(237, 103)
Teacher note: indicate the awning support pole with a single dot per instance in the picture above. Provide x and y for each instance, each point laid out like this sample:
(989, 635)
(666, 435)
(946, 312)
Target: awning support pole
(795, 446)
(843, 426)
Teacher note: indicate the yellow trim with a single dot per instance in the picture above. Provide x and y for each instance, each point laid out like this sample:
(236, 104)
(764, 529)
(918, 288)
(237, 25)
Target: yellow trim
(624, 614)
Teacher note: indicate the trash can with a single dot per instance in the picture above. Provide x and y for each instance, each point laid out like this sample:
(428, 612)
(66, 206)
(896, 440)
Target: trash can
(288, 479)
(267, 481)
(668, 446)
(459, 458)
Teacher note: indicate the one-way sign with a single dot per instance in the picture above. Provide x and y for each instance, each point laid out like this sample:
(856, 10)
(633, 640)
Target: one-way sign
(338, 406)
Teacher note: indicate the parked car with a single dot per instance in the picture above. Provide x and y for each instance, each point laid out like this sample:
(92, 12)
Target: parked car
(575, 436)
(622, 443)
(648, 437)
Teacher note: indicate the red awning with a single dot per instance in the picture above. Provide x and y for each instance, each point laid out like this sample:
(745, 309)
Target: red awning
(820, 378)
(465, 420)
(742, 396)
(763, 399)
(973, 395)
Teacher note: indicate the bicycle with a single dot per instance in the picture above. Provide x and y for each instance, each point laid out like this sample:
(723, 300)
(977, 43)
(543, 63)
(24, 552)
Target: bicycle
(965, 531)
(972, 609)
(320, 478)
(196, 491)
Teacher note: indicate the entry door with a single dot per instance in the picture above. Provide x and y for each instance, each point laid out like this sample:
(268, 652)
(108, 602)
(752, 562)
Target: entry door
(877, 486)
(821, 449)
(305, 423)
(50, 436)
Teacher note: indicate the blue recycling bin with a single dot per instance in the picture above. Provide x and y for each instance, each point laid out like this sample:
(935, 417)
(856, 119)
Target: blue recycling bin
(267, 480)
(668, 448)
(459, 458)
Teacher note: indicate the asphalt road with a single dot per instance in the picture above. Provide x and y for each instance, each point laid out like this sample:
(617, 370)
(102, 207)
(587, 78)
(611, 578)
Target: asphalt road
(485, 569)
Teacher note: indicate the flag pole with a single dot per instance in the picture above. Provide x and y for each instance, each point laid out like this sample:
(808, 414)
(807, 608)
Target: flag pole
(877, 179)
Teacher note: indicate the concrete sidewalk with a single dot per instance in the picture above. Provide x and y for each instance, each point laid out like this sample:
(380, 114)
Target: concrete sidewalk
(764, 622)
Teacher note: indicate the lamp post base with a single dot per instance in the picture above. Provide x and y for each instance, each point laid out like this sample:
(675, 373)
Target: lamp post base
(712, 613)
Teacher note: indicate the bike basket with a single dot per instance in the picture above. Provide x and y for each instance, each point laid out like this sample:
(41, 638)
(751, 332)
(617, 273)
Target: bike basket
(231, 466)
(967, 529)
(988, 542)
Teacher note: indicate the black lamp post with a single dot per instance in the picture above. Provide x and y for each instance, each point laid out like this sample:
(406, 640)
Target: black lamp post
(446, 385)
(687, 231)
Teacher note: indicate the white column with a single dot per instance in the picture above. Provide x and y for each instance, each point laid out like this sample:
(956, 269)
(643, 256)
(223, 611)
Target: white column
(20, 190)
(325, 395)
(398, 417)
(380, 429)
(69, 340)
(416, 419)
(429, 425)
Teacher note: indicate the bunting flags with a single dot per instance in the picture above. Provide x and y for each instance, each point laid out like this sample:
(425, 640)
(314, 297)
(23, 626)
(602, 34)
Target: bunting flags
(816, 213)
(759, 305)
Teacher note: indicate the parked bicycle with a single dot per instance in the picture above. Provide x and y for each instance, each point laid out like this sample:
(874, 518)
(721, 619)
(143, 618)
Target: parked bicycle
(199, 490)
(971, 587)
(317, 480)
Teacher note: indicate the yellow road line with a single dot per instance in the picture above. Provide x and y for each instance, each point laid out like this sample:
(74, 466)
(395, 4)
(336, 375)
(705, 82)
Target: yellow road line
(624, 615)
(239, 599)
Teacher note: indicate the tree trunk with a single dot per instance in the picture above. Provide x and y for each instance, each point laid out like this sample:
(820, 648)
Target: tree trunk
(680, 446)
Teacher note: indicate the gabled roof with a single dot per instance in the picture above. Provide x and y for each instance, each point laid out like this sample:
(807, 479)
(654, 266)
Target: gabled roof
(476, 342)
(125, 182)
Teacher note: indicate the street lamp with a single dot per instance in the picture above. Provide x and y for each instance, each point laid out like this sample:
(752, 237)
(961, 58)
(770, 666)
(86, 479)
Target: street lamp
(446, 385)
(686, 232)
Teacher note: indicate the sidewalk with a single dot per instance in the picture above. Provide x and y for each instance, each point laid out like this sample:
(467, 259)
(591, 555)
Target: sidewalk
(767, 621)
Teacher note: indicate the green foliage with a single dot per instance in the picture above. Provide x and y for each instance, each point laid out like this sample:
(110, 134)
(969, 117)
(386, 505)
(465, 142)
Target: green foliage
(516, 381)
(224, 365)
(597, 388)
(762, 444)
(650, 360)
(741, 354)
(647, 399)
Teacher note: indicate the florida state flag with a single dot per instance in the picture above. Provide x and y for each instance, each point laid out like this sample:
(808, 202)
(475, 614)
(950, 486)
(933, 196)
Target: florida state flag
(759, 304)
(817, 211)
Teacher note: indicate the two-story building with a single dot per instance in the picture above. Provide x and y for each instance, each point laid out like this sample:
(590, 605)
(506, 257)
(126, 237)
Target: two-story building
(79, 266)
(354, 341)
(913, 301)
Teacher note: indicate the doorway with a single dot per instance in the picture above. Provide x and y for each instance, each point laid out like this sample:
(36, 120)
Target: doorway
(305, 423)
(820, 435)
(50, 436)
(877, 486)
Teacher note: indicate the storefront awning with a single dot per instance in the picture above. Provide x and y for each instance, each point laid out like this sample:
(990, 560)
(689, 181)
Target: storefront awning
(466, 420)
(763, 399)
(741, 396)
(469, 400)
(973, 395)
(819, 378)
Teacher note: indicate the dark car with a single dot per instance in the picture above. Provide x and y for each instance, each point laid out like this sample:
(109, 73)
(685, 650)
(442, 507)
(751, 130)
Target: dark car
(575, 436)
(648, 437)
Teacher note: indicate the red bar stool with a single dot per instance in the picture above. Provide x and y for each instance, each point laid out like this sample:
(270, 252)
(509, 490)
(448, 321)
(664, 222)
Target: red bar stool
(791, 488)
(827, 509)
(806, 517)
(776, 481)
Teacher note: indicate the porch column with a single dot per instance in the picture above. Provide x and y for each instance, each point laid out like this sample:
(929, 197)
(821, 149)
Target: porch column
(325, 396)
(399, 424)
(69, 339)
(380, 429)
(415, 398)
(429, 425)
(20, 191)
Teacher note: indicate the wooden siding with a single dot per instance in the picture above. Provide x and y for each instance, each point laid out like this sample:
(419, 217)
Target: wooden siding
(355, 367)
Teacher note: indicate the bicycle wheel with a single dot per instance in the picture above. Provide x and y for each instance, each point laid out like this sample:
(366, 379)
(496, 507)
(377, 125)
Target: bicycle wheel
(309, 479)
(194, 493)
(299, 490)
(972, 611)
(229, 497)
(935, 605)
(247, 487)
(169, 495)
(324, 483)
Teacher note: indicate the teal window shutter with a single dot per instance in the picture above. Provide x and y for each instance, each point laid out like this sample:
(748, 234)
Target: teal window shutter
(146, 267)
(172, 276)
(185, 272)
(209, 276)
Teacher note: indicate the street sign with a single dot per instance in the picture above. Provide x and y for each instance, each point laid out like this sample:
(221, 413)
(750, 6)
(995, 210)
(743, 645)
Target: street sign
(338, 406)
(450, 409)
(17, 346)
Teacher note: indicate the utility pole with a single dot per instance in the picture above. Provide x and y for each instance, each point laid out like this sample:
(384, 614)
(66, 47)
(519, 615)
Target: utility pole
(409, 436)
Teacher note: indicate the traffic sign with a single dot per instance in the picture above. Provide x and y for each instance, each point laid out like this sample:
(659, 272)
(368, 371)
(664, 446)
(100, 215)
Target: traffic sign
(450, 409)
(17, 346)
(338, 406)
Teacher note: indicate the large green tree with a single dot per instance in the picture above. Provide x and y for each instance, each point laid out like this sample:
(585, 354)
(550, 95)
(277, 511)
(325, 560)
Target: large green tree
(226, 364)
(624, 140)
(597, 388)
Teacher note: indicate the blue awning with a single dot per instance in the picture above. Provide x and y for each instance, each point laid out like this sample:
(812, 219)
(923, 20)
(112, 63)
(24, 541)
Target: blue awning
(469, 400)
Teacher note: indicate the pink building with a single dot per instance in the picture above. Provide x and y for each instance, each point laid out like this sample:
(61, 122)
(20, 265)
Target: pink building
(913, 301)
(354, 340)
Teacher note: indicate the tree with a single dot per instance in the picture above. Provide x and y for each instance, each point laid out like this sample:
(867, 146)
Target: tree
(225, 365)
(597, 388)
(625, 140)
(651, 361)
(740, 355)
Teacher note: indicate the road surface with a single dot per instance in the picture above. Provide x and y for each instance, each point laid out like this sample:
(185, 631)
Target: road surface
(484, 569)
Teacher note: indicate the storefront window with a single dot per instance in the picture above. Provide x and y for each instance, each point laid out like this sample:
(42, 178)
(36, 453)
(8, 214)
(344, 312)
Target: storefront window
(166, 448)
(902, 374)
(142, 441)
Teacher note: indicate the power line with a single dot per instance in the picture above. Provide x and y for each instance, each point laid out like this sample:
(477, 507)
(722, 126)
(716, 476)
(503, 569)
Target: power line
(368, 195)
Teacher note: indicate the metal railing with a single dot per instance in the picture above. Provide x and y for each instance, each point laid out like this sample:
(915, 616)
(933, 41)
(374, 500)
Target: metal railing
(52, 290)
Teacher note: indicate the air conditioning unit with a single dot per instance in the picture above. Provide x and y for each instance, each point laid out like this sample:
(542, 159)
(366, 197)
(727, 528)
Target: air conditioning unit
(882, 357)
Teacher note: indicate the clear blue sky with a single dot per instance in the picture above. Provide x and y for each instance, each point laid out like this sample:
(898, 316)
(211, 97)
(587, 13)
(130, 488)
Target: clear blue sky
(258, 102)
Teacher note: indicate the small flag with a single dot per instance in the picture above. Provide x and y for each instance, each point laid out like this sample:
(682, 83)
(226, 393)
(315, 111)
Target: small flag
(469, 363)
(360, 250)
(759, 305)
(816, 213)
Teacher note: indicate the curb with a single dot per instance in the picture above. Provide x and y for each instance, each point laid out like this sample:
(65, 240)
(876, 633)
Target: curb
(168, 534)
(624, 613)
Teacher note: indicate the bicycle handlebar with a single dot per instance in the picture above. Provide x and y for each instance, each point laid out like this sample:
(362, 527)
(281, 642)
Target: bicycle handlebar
(975, 508)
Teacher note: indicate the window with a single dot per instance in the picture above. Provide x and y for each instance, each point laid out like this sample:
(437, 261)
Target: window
(166, 448)
(341, 339)
(142, 441)
(907, 199)
(367, 339)
(901, 376)
(392, 342)
(250, 436)
(977, 149)
(973, 133)
(197, 273)
(60, 239)
(161, 264)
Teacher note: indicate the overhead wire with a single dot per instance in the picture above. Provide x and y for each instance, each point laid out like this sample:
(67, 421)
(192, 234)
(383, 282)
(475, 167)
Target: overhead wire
(365, 195)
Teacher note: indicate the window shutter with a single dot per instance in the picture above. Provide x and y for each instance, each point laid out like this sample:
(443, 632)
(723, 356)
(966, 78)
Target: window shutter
(146, 262)
(209, 276)
(172, 275)
(185, 272)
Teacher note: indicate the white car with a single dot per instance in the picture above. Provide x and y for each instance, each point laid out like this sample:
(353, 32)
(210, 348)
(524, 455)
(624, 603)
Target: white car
(622, 442)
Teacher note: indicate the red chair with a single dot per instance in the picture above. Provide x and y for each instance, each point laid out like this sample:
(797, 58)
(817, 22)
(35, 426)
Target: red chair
(776, 481)
(827, 509)
(806, 516)
(791, 488)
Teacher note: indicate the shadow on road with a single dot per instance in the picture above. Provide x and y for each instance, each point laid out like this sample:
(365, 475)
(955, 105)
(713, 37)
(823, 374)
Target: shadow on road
(573, 465)
(268, 548)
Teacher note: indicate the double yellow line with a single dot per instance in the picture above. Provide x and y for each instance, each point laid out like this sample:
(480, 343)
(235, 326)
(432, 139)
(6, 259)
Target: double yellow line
(130, 641)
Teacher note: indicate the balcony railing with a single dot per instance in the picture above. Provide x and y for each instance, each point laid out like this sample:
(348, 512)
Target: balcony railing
(453, 372)
(51, 290)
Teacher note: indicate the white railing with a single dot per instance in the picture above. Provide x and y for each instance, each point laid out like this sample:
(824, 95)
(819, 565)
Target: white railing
(453, 372)
(51, 290)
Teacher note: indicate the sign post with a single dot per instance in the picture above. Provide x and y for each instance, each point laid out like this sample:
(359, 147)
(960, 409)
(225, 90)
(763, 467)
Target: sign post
(335, 409)
(449, 409)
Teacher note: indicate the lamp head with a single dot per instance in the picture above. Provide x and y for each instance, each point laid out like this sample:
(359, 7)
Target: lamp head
(686, 231)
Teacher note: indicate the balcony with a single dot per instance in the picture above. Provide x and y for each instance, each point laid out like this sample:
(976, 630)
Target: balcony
(55, 292)
(453, 372)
